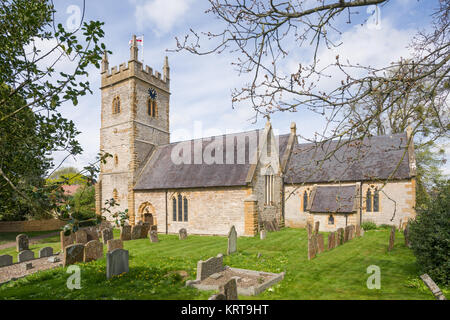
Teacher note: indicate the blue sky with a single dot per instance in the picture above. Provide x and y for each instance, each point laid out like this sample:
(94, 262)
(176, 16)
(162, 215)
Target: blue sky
(201, 85)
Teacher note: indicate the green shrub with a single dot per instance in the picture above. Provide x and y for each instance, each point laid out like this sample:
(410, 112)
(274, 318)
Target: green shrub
(368, 225)
(430, 235)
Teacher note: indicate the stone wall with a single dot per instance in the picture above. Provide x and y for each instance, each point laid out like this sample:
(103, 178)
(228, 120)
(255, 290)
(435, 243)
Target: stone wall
(32, 225)
(212, 211)
(402, 192)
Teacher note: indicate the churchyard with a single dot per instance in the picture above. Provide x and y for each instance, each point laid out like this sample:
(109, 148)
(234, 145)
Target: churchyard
(159, 269)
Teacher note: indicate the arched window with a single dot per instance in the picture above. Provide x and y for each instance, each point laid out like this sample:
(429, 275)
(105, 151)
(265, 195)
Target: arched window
(331, 219)
(180, 208)
(185, 204)
(376, 201)
(115, 195)
(269, 190)
(305, 200)
(174, 205)
(116, 105)
(369, 201)
(151, 108)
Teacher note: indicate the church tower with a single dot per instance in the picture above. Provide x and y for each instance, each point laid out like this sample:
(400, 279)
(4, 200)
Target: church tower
(134, 119)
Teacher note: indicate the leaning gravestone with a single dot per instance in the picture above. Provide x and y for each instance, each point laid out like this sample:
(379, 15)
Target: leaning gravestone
(107, 234)
(320, 243)
(316, 227)
(209, 267)
(125, 233)
(136, 231)
(116, 263)
(311, 247)
(66, 240)
(309, 228)
(93, 250)
(331, 240)
(25, 255)
(391, 239)
(114, 244)
(340, 236)
(73, 254)
(46, 252)
(81, 237)
(262, 234)
(182, 234)
(229, 289)
(153, 235)
(433, 287)
(5, 260)
(232, 241)
(21, 242)
(145, 229)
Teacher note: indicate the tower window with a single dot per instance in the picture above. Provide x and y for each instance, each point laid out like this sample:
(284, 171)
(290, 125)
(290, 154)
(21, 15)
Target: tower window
(116, 105)
(152, 108)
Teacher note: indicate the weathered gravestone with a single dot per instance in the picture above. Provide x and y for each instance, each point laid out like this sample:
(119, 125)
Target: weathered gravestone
(92, 234)
(209, 267)
(309, 228)
(22, 242)
(73, 254)
(320, 243)
(154, 227)
(391, 239)
(229, 289)
(46, 252)
(107, 234)
(81, 237)
(125, 233)
(358, 230)
(153, 235)
(336, 239)
(182, 234)
(340, 236)
(66, 240)
(145, 229)
(217, 296)
(316, 227)
(232, 240)
(262, 234)
(331, 240)
(93, 250)
(136, 231)
(312, 245)
(116, 263)
(433, 287)
(351, 233)
(406, 234)
(5, 260)
(25, 255)
(347, 231)
(114, 244)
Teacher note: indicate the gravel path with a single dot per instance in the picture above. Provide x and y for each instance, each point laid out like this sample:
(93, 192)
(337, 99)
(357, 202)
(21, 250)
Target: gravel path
(17, 270)
(33, 240)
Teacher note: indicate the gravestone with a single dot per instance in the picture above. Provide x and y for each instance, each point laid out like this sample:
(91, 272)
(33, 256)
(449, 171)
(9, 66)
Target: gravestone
(154, 227)
(22, 242)
(331, 240)
(92, 234)
(93, 250)
(136, 232)
(311, 247)
(145, 229)
(107, 234)
(316, 227)
(25, 255)
(182, 234)
(153, 235)
(433, 287)
(114, 244)
(66, 240)
(406, 234)
(351, 232)
(276, 227)
(309, 228)
(262, 234)
(340, 236)
(346, 234)
(391, 239)
(125, 233)
(81, 237)
(229, 289)
(267, 226)
(362, 231)
(320, 244)
(116, 263)
(148, 217)
(209, 267)
(217, 296)
(46, 252)
(232, 241)
(5, 260)
(73, 254)
(358, 230)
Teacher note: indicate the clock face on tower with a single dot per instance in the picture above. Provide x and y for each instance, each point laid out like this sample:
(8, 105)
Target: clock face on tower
(152, 93)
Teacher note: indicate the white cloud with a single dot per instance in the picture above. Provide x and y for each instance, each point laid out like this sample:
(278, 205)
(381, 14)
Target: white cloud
(161, 15)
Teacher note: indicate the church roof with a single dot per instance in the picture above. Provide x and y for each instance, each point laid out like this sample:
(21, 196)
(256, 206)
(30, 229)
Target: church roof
(338, 199)
(374, 158)
(161, 172)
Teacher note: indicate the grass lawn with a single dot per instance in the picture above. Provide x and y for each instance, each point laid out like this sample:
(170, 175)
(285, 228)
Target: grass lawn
(6, 237)
(336, 274)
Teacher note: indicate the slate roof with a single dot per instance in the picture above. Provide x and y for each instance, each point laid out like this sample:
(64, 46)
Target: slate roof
(336, 199)
(375, 158)
(162, 173)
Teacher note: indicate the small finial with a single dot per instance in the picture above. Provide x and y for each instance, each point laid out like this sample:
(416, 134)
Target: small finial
(105, 63)
(134, 49)
(293, 128)
(166, 69)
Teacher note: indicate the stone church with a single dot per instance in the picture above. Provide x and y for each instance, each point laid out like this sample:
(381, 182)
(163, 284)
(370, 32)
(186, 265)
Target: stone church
(243, 179)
